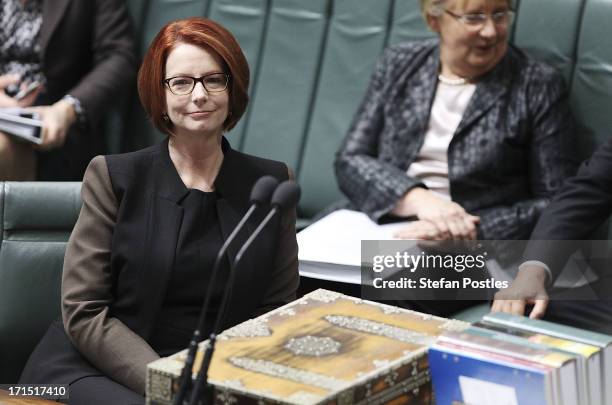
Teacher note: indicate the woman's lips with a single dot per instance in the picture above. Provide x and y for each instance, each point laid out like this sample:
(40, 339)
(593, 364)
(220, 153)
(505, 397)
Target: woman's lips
(200, 114)
(485, 48)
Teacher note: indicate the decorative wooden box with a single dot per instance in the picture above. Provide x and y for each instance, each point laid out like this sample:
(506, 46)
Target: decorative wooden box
(325, 348)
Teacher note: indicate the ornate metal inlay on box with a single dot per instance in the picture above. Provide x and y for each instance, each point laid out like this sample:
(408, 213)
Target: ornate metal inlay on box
(454, 325)
(389, 309)
(289, 373)
(315, 346)
(302, 397)
(287, 312)
(227, 398)
(380, 329)
(381, 363)
(322, 348)
(161, 385)
(324, 296)
(250, 328)
(236, 384)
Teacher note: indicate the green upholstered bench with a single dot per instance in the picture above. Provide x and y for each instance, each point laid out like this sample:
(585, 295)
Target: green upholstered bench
(35, 222)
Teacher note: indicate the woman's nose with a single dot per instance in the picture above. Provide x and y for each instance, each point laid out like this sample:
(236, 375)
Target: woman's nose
(199, 92)
(489, 29)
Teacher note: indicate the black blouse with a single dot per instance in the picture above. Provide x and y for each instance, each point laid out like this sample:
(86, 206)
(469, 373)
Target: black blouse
(198, 243)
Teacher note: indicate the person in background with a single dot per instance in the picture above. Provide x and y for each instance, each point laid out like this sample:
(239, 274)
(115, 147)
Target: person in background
(464, 133)
(138, 262)
(76, 57)
(582, 205)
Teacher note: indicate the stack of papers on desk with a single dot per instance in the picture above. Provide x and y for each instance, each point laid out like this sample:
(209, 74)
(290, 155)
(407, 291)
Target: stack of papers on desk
(21, 124)
(330, 249)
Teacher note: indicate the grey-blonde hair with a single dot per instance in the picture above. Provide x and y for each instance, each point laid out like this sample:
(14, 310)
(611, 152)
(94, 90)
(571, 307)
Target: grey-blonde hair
(432, 7)
(435, 8)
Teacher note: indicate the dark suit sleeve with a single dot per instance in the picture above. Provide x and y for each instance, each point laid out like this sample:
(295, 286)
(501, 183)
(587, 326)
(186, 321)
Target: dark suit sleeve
(583, 204)
(87, 294)
(285, 276)
(114, 59)
(550, 158)
(372, 185)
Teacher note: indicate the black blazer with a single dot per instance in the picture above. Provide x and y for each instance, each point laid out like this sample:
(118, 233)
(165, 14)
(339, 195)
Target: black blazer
(582, 205)
(120, 257)
(147, 188)
(508, 156)
(88, 51)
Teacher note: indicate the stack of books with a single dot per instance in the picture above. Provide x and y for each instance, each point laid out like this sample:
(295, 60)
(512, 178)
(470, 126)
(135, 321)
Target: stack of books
(514, 360)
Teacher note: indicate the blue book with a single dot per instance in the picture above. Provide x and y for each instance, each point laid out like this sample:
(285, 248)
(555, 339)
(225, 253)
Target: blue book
(465, 377)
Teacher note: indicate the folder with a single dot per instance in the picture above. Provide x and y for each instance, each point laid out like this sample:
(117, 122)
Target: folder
(19, 123)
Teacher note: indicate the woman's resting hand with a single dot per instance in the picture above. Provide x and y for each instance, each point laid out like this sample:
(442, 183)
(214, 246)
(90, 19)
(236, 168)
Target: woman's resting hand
(57, 119)
(419, 230)
(7, 101)
(449, 219)
(529, 287)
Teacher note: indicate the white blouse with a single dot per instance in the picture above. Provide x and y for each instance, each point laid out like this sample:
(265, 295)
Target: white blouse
(431, 164)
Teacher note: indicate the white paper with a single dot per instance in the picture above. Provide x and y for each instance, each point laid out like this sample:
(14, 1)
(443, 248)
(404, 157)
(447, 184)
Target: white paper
(480, 392)
(337, 237)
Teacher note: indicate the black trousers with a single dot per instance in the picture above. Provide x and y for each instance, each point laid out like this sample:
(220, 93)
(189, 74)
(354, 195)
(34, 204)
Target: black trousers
(56, 361)
(100, 390)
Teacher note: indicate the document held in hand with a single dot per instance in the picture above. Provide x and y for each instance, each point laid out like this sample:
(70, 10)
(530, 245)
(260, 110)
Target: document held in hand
(21, 124)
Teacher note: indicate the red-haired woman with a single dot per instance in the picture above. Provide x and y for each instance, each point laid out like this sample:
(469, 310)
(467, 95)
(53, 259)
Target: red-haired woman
(138, 262)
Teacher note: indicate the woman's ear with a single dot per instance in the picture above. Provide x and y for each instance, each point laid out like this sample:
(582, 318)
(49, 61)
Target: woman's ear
(433, 23)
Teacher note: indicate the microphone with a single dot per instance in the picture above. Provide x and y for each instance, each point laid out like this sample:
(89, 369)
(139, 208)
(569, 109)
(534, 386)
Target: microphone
(260, 196)
(286, 196)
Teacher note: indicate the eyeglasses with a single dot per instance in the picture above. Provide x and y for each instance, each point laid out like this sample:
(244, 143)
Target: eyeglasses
(475, 21)
(183, 85)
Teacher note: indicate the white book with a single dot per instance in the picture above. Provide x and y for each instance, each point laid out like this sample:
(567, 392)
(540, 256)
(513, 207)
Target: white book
(21, 124)
(330, 249)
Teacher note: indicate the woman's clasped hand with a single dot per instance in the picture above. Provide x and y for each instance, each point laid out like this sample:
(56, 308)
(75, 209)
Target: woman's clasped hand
(438, 218)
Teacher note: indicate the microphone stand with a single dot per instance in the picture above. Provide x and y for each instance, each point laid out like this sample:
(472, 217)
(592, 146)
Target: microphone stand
(286, 195)
(261, 192)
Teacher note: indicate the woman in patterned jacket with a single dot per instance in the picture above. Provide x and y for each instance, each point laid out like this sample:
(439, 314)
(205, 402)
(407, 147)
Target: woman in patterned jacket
(464, 133)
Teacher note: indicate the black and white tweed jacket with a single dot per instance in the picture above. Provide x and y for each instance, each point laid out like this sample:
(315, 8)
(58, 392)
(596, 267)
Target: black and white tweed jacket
(508, 156)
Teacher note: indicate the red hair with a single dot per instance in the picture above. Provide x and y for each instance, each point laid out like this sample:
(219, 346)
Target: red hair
(206, 34)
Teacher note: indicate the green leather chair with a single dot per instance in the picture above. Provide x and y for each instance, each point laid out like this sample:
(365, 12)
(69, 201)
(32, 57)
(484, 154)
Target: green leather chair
(35, 222)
